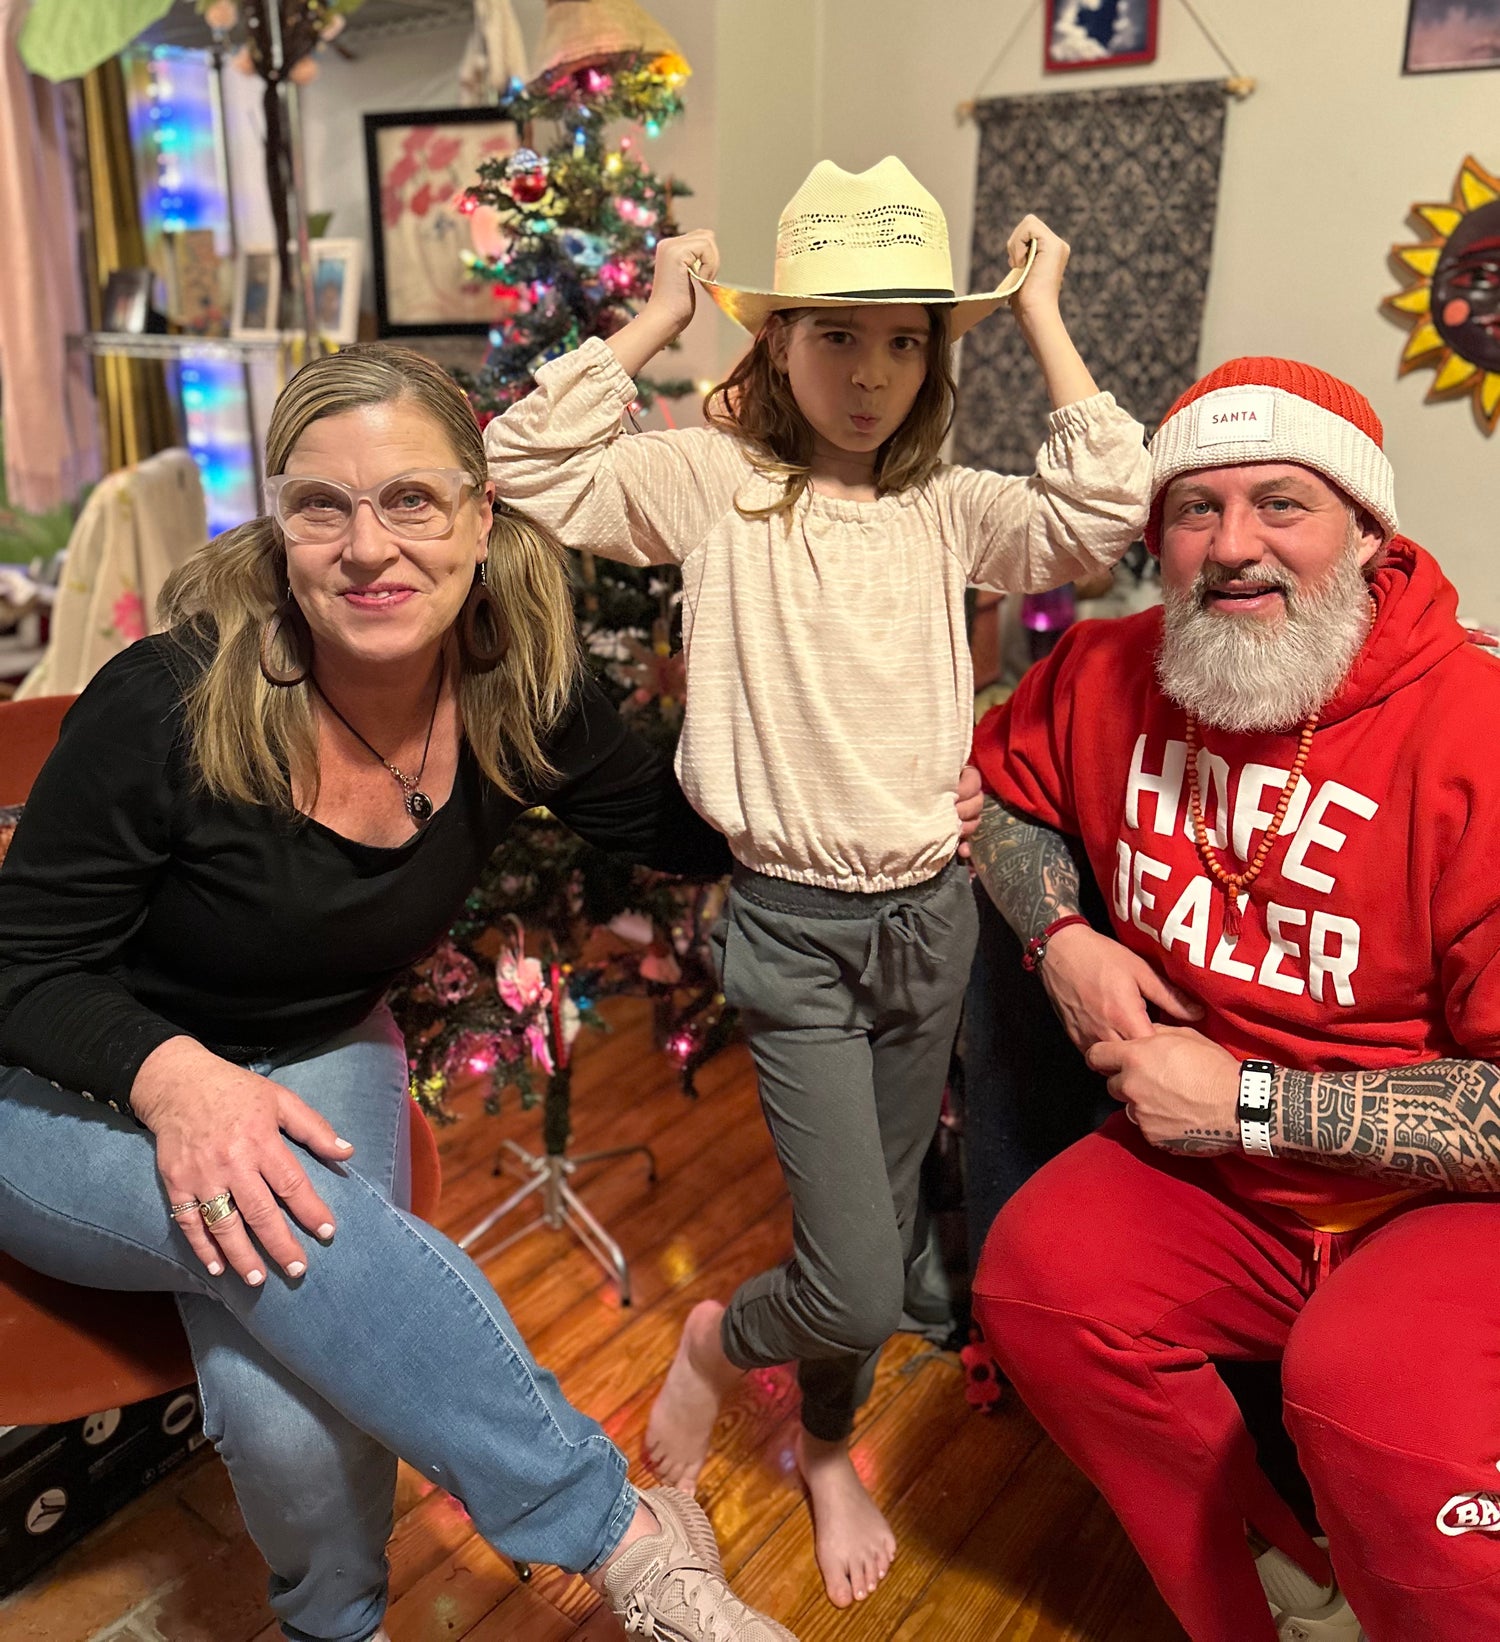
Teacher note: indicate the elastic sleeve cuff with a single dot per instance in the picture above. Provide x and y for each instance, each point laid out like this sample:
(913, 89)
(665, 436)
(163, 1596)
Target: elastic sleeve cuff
(1083, 414)
(594, 363)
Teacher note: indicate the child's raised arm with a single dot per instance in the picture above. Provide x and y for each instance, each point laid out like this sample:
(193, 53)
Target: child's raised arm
(1038, 314)
(559, 455)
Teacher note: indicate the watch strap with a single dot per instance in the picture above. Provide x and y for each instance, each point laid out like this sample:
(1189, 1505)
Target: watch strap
(1254, 1107)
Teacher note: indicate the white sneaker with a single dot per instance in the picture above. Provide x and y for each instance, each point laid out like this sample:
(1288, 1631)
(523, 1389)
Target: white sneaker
(1304, 1610)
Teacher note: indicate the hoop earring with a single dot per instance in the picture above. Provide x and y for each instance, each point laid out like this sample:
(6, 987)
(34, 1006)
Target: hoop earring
(482, 650)
(288, 619)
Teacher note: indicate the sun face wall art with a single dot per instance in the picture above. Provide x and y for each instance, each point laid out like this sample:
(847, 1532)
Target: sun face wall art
(1454, 305)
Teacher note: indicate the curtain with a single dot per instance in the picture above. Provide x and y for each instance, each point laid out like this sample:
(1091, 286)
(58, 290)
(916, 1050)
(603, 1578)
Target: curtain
(51, 434)
(133, 392)
(1130, 178)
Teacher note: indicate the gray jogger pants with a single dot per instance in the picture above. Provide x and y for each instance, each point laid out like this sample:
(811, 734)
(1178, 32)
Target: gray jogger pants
(851, 1002)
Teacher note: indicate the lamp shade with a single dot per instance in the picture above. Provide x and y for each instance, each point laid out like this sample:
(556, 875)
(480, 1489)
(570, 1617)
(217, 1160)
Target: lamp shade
(580, 32)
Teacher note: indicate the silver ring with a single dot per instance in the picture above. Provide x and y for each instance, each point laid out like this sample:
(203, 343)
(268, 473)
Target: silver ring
(184, 1208)
(1130, 1113)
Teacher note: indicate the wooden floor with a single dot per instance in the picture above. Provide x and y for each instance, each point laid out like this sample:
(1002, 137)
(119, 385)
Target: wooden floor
(1001, 1539)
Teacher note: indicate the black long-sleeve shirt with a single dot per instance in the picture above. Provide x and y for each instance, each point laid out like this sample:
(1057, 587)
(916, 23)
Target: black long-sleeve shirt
(135, 908)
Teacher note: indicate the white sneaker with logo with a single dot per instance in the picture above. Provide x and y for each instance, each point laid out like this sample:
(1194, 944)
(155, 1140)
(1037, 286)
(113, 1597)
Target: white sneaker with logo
(1304, 1610)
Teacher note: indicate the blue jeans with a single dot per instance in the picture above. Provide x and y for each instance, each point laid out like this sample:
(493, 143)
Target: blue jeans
(392, 1343)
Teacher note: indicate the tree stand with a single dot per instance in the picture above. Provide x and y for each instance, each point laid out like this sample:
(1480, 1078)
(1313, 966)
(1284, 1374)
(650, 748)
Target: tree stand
(550, 1175)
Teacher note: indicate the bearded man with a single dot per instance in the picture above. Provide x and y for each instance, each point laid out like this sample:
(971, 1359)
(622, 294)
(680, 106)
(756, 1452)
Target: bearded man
(1285, 783)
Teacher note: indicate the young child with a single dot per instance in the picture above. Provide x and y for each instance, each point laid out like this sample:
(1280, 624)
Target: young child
(825, 549)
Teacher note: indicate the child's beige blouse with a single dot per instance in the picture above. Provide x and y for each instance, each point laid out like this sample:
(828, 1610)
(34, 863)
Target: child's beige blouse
(830, 693)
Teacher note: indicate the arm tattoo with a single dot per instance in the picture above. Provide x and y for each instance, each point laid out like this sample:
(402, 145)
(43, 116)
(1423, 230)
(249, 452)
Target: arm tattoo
(1025, 867)
(1434, 1126)
(1201, 1143)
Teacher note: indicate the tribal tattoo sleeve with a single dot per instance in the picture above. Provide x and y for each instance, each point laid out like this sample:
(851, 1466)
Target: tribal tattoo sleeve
(1025, 867)
(1436, 1125)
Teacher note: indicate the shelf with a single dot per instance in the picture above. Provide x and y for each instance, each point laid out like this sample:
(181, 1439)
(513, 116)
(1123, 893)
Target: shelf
(129, 345)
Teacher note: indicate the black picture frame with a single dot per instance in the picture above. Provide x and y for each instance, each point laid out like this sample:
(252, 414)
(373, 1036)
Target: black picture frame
(1440, 10)
(399, 309)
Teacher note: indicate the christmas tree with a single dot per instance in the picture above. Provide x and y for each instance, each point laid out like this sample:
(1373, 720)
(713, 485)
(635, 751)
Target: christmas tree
(572, 232)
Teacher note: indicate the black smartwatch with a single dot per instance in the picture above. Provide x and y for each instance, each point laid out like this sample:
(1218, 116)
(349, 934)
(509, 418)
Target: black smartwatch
(1254, 1109)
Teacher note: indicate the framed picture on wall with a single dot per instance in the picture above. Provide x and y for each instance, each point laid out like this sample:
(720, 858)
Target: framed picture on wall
(1099, 34)
(419, 165)
(1445, 35)
(337, 267)
(257, 293)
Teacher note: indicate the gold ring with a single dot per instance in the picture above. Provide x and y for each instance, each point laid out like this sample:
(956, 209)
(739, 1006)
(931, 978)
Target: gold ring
(217, 1209)
(184, 1208)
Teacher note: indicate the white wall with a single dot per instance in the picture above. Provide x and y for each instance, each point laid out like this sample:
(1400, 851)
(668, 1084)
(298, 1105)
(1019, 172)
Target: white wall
(1320, 167)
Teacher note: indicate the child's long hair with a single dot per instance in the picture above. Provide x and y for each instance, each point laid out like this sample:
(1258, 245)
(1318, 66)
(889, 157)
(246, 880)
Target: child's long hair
(755, 403)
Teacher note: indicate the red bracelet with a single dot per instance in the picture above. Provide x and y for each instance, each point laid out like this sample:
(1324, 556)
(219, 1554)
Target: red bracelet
(1036, 947)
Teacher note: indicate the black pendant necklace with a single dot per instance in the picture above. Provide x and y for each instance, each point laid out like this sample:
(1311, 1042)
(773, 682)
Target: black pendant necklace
(418, 804)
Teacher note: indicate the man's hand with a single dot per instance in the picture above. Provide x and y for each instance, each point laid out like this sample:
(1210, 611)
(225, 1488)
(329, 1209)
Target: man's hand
(1101, 989)
(1178, 1087)
(969, 804)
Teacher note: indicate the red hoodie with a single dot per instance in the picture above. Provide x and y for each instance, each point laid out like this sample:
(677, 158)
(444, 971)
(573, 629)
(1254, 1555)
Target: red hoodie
(1371, 935)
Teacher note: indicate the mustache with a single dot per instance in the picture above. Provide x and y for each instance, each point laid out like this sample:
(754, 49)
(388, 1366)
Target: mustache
(1214, 576)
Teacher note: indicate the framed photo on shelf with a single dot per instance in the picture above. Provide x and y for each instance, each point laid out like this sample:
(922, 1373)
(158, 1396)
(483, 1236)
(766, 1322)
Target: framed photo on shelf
(257, 293)
(1444, 38)
(419, 165)
(127, 300)
(1099, 34)
(337, 268)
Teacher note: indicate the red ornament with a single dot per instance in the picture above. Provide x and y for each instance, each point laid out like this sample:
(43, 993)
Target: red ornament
(527, 188)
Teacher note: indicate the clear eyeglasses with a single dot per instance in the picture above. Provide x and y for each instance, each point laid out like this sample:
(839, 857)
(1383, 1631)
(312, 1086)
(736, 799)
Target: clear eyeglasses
(416, 506)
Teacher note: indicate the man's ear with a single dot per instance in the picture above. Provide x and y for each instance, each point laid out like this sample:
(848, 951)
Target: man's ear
(1371, 541)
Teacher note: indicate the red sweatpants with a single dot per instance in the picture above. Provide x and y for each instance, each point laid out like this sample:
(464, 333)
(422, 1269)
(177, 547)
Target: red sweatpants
(1114, 1274)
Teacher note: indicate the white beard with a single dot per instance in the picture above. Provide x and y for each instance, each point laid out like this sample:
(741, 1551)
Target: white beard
(1244, 675)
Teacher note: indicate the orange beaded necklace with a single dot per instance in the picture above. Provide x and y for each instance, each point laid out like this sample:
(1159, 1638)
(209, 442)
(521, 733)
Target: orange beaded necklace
(1234, 884)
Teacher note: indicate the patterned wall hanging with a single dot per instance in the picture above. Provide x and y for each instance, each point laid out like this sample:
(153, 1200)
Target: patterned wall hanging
(1130, 178)
(1454, 305)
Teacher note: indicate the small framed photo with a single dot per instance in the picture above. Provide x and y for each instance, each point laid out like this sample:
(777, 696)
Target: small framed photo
(127, 300)
(337, 268)
(420, 164)
(1443, 37)
(257, 293)
(1099, 34)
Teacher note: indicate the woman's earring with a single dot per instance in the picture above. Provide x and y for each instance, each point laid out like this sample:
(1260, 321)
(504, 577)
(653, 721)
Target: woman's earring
(483, 637)
(286, 619)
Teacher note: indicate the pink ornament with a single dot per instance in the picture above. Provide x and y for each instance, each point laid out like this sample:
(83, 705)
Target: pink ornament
(303, 72)
(452, 975)
(519, 981)
(617, 277)
(541, 1050)
(221, 16)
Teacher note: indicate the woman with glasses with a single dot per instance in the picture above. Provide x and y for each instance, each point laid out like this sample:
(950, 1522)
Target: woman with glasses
(250, 825)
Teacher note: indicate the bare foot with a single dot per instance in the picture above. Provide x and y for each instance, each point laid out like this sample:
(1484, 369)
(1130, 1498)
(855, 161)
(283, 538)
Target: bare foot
(854, 1542)
(683, 1416)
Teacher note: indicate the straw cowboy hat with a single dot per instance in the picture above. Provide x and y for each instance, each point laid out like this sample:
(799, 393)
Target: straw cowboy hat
(870, 236)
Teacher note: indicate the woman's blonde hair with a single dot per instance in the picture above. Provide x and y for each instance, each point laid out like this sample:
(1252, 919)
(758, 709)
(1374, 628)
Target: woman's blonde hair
(251, 740)
(755, 403)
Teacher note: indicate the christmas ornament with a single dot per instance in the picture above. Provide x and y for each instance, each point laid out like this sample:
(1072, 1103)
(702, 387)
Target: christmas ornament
(526, 176)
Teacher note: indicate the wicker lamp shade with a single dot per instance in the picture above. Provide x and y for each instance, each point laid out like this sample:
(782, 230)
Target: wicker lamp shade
(580, 32)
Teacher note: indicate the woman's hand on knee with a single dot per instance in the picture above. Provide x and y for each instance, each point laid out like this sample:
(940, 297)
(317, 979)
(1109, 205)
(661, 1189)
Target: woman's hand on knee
(219, 1129)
